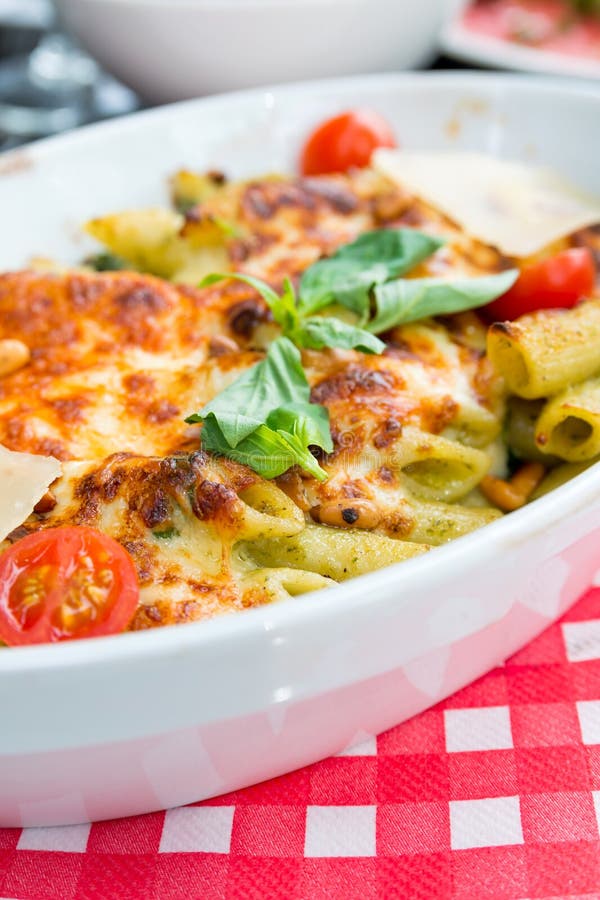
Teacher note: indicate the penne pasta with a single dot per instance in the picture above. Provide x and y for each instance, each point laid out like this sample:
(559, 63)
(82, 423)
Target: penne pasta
(474, 426)
(435, 468)
(560, 475)
(158, 241)
(438, 523)
(569, 424)
(521, 419)
(273, 584)
(332, 552)
(543, 353)
(268, 512)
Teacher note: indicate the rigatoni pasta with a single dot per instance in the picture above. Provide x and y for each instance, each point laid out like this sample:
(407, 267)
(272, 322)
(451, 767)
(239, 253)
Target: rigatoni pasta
(569, 423)
(521, 419)
(433, 467)
(545, 352)
(440, 469)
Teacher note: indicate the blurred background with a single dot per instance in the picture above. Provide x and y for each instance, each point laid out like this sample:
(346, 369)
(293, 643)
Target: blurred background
(166, 50)
(47, 83)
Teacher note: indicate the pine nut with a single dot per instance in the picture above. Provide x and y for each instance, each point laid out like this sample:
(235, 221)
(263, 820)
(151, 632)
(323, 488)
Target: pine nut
(219, 345)
(350, 513)
(13, 356)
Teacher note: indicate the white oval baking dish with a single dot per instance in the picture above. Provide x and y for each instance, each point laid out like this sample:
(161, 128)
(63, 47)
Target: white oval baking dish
(128, 724)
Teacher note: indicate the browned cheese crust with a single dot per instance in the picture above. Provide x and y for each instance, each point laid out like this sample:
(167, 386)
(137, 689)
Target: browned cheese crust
(119, 359)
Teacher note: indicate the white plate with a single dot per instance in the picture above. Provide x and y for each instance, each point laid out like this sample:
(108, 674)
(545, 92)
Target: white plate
(122, 725)
(463, 44)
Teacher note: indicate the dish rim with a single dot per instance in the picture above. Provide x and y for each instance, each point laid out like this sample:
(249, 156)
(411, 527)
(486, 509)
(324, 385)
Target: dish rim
(484, 543)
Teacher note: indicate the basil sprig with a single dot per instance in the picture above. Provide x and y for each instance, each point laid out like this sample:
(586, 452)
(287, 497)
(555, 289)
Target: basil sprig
(265, 418)
(364, 277)
(313, 332)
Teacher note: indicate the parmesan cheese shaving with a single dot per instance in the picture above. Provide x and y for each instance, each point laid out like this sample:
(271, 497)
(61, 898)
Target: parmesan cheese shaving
(518, 208)
(24, 479)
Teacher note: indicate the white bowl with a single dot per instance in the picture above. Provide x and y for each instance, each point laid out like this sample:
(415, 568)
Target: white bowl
(127, 724)
(175, 49)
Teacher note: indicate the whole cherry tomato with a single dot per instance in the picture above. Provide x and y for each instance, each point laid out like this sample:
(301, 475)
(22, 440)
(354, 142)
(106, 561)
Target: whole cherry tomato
(557, 282)
(345, 142)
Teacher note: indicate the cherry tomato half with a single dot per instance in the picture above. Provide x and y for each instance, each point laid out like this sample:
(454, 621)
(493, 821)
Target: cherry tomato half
(345, 142)
(64, 583)
(557, 282)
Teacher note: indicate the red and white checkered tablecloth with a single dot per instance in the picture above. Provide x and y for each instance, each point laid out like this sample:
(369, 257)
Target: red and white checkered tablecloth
(494, 793)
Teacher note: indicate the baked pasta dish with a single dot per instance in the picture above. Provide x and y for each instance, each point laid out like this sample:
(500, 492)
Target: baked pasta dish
(284, 382)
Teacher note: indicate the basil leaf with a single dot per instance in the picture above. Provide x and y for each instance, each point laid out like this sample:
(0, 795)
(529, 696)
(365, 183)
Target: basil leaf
(269, 452)
(277, 380)
(407, 300)
(354, 269)
(265, 418)
(270, 296)
(317, 332)
(308, 421)
(337, 280)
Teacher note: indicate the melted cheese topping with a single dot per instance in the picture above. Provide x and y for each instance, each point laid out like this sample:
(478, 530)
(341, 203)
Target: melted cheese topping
(117, 362)
(120, 359)
(174, 515)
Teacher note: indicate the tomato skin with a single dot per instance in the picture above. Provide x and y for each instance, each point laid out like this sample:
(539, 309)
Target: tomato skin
(64, 583)
(345, 142)
(554, 283)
